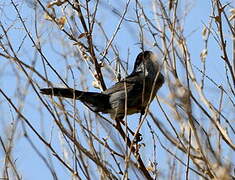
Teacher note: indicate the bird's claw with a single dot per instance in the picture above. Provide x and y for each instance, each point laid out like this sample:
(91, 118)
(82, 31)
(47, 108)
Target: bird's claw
(138, 138)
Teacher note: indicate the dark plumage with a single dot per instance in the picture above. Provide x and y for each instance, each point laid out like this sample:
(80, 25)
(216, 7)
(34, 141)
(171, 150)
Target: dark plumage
(141, 87)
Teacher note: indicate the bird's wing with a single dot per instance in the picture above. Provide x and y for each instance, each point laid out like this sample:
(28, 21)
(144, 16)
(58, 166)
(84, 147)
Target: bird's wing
(127, 84)
(131, 87)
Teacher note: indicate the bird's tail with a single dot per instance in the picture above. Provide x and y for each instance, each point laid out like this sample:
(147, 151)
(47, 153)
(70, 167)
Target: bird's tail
(96, 101)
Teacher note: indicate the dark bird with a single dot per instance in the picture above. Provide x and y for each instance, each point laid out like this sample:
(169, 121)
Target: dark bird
(140, 87)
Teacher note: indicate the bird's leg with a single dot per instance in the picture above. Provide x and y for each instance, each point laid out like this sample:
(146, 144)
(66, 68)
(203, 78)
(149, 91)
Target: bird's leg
(120, 130)
(119, 119)
(142, 111)
(138, 136)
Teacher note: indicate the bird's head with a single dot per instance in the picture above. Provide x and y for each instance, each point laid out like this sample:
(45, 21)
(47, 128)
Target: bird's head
(146, 62)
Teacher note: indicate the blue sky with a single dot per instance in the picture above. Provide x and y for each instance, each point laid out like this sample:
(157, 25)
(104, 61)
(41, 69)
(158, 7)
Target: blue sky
(28, 163)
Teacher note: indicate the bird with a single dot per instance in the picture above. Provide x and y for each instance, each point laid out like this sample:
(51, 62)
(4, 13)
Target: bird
(128, 96)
